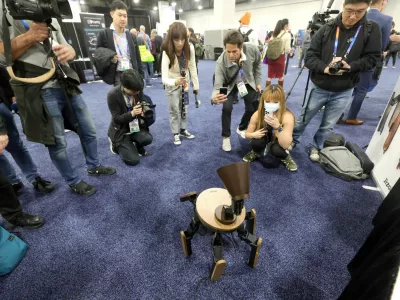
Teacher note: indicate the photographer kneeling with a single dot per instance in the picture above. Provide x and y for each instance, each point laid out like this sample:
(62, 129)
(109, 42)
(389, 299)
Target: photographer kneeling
(271, 128)
(128, 131)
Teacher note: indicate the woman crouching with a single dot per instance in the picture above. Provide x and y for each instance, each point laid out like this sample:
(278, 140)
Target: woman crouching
(271, 128)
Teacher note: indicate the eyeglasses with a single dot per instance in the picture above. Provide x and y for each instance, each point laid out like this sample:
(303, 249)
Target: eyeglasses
(355, 12)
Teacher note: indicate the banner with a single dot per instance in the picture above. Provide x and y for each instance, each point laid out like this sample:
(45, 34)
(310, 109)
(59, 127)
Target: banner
(384, 148)
(92, 24)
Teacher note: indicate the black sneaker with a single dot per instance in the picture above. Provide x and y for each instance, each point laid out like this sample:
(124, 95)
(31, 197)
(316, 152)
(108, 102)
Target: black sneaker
(42, 185)
(84, 189)
(17, 187)
(101, 170)
(142, 151)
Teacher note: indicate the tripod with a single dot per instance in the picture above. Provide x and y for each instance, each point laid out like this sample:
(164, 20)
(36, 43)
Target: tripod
(307, 84)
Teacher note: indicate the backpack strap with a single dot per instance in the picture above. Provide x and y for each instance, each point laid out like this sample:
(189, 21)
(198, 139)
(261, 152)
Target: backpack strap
(248, 33)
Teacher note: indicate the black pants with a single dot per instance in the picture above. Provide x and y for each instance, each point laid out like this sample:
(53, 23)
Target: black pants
(258, 146)
(393, 55)
(250, 107)
(10, 208)
(128, 152)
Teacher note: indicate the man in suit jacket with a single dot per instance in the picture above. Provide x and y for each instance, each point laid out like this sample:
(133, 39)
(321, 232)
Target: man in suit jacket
(118, 39)
(128, 131)
(368, 80)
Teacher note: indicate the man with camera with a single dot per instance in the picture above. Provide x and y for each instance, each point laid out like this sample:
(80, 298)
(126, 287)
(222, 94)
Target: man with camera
(238, 70)
(128, 131)
(118, 39)
(47, 106)
(339, 51)
(369, 79)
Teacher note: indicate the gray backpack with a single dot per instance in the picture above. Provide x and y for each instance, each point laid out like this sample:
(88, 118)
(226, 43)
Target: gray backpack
(340, 162)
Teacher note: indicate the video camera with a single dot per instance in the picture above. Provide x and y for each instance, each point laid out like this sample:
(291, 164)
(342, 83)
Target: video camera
(39, 10)
(320, 19)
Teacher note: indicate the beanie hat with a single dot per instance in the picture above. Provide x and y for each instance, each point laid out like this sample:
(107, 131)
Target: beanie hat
(245, 20)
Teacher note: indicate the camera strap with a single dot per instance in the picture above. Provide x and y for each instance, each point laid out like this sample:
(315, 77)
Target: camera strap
(351, 44)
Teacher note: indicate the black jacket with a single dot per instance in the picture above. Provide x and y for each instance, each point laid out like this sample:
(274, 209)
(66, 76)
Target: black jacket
(105, 40)
(6, 92)
(159, 41)
(121, 117)
(363, 57)
(102, 60)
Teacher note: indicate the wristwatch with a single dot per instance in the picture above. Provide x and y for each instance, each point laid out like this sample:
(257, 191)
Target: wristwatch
(280, 128)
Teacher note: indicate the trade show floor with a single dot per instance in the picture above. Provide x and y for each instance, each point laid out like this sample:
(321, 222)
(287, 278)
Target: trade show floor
(123, 242)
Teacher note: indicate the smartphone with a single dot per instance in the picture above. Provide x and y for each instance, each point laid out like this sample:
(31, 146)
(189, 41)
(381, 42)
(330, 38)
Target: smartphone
(223, 91)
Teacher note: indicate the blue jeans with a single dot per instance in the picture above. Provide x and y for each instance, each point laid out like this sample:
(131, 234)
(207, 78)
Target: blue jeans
(148, 71)
(366, 84)
(55, 102)
(18, 151)
(334, 102)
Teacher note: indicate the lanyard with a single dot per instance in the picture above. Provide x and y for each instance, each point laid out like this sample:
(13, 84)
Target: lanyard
(119, 48)
(25, 25)
(351, 44)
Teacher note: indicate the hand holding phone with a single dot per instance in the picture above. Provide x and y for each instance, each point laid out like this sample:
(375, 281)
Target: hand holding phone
(223, 91)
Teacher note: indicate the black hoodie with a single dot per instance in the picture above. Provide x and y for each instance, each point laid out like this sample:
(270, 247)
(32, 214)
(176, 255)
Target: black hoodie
(363, 57)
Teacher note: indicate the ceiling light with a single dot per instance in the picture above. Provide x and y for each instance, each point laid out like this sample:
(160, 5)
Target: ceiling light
(82, 2)
(180, 10)
(135, 1)
(196, 0)
(155, 8)
(200, 7)
(173, 3)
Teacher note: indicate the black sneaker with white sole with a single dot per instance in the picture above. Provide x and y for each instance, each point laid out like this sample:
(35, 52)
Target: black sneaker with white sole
(102, 170)
(187, 134)
(83, 189)
(113, 149)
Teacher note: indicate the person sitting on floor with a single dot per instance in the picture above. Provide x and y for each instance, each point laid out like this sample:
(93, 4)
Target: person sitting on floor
(128, 132)
(271, 128)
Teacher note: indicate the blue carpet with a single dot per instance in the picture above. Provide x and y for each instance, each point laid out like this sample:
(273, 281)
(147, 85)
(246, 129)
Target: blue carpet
(123, 242)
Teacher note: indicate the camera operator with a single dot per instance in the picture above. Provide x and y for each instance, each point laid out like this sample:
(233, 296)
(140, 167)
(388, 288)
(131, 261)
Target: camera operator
(239, 70)
(339, 51)
(15, 146)
(46, 108)
(128, 131)
(369, 79)
(10, 208)
(119, 40)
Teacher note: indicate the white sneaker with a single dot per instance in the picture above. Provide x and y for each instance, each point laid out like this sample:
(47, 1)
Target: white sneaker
(226, 144)
(242, 133)
(393, 67)
(314, 155)
(177, 140)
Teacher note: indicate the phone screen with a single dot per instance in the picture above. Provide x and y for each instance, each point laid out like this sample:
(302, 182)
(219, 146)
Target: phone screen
(223, 91)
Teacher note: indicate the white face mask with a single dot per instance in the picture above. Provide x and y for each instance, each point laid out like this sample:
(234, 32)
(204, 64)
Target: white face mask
(271, 107)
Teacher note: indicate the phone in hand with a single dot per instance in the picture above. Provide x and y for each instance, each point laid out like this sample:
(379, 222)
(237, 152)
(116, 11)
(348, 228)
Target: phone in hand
(223, 91)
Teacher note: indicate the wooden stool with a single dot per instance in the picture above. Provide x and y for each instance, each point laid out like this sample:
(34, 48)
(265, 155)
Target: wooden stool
(205, 206)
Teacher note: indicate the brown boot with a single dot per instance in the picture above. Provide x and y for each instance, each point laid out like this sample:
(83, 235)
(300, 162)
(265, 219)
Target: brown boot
(280, 82)
(267, 84)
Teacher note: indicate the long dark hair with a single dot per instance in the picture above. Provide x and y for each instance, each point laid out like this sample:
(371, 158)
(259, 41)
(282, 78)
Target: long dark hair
(192, 36)
(280, 26)
(176, 31)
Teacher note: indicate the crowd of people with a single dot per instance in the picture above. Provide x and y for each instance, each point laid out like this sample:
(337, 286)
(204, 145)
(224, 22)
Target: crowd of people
(129, 59)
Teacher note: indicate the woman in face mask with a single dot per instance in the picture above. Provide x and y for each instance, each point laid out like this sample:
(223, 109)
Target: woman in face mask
(271, 128)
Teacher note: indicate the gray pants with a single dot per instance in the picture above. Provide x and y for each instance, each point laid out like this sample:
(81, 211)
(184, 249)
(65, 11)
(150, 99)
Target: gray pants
(174, 96)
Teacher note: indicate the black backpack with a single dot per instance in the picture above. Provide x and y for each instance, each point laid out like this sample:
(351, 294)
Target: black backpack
(246, 35)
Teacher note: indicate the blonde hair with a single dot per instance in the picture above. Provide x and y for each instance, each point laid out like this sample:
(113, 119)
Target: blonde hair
(273, 92)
